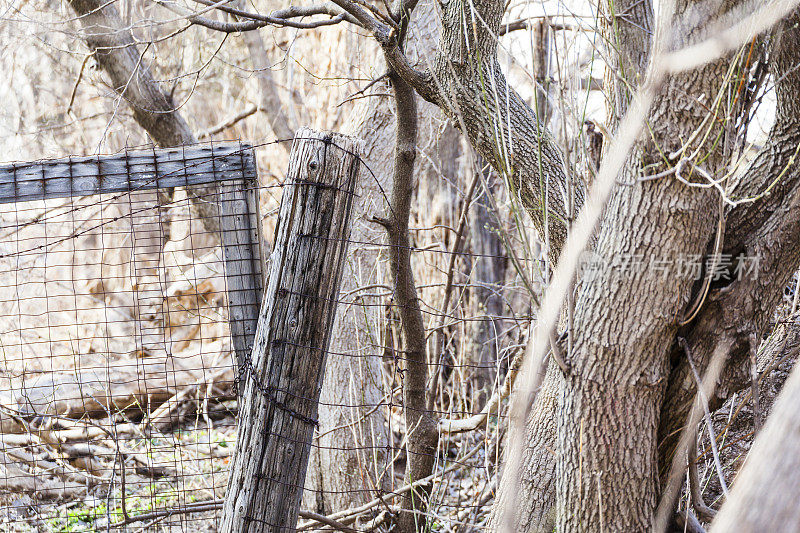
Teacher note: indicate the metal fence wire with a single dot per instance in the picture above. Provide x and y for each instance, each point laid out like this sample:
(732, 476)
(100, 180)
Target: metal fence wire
(129, 294)
(118, 371)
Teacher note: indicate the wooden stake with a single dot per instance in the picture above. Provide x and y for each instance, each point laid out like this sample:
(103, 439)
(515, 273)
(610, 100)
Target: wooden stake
(283, 378)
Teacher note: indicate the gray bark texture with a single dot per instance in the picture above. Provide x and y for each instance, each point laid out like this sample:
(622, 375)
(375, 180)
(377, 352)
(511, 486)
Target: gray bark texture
(628, 50)
(607, 468)
(283, 380)
(608, 414)
(470, 87)
(740, 312)
(610, 406)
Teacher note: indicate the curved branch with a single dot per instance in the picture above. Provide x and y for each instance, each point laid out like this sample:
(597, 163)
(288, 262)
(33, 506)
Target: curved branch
(256, 22)
(282, 17)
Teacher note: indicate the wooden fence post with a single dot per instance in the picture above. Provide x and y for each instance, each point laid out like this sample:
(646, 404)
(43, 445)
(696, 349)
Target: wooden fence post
(284, 374)
(241, 247)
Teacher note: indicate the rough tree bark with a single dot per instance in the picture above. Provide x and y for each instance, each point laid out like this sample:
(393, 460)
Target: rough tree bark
(610, 408)
(628, 47)
(466, 81)
(738, 313)
(626, 321)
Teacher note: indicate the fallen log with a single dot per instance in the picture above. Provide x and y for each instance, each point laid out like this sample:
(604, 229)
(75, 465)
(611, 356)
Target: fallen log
(135, 387)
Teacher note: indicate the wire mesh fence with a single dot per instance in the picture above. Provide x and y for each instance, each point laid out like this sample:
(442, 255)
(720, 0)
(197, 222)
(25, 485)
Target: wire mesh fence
(118, 371)
(129, 291)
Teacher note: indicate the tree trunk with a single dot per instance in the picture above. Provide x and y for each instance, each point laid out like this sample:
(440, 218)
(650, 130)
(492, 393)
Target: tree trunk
(739, 312)
(535, 498)
(489, 275)
(269, 99)
(626, 319)
(284, 377)
(115, 50)
(350, 464)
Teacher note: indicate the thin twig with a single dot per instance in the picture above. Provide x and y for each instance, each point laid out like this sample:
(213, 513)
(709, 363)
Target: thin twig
(197, 507)
(704, 401)
(705, 512)
(228, 122)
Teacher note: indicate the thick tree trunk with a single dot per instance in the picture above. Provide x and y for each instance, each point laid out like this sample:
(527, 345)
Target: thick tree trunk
(765, 233)
(607, 475)
(626, 319)
(534, 497)
(758, 229)
(501, 127)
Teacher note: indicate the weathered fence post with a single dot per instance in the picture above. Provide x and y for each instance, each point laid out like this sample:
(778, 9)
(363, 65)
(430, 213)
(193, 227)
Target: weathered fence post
(283, 377)
(241, 247)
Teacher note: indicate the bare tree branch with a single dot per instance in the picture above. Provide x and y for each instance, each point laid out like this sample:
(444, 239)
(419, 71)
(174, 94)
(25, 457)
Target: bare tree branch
(283, 17)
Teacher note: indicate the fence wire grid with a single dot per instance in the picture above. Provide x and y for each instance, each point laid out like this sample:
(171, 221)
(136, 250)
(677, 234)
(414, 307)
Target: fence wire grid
(120, 322)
